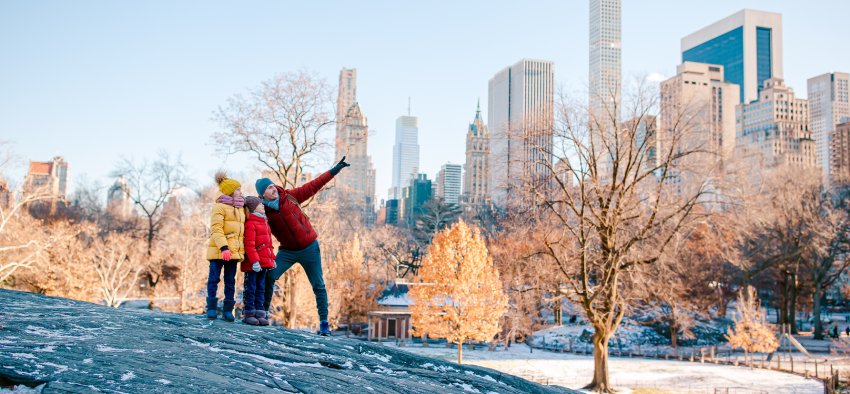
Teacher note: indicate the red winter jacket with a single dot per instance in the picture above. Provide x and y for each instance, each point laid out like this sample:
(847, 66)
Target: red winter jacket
(290, 226)
(258, 244)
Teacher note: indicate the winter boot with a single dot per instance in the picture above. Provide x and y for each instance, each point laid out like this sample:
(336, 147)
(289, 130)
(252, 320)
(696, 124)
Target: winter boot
(227, 311)
(249, 317)
(324, 329)
(212, 306)
(261, 317)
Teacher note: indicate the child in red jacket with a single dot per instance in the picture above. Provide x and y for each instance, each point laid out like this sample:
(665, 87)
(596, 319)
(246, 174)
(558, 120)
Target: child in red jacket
(259, 258)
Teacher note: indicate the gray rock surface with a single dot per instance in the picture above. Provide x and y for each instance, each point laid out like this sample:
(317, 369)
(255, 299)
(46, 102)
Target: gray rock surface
(61, 345)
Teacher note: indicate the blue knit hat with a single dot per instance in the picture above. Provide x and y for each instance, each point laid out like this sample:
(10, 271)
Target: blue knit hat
(262, 185)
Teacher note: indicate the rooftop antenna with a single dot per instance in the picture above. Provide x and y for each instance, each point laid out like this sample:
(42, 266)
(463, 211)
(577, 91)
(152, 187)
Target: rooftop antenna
(408, 105)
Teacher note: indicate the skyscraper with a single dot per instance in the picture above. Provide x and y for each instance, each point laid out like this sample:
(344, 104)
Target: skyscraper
(405, 153)
(605, 56)
(828, 106)
(449, 183)
(476, 178)
(356, 185)
(521, 118)
(118, 202)
(776, 127)
(840, 155)
(415, 195)
(698, 99)
(748, 44)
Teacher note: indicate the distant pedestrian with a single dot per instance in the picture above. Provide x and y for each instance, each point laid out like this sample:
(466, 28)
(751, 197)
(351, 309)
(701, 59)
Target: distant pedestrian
(847, 330)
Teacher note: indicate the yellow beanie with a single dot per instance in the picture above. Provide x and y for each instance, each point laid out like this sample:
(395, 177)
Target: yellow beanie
(225, 184)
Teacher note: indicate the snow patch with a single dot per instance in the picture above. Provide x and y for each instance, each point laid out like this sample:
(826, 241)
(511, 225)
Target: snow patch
(59, 368)
(127, 376)
(383, 357)
(23, 355)
(466, 387)
(88, 361)
(163, 381)
(46, 349)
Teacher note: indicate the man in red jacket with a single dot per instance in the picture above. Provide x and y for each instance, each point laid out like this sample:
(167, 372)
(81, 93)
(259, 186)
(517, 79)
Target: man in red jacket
(298, 244)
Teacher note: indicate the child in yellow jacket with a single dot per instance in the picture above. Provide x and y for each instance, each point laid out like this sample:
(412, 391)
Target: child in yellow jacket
(225, 250)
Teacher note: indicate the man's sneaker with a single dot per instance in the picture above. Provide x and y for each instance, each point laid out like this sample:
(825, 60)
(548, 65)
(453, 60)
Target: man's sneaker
(324, 329)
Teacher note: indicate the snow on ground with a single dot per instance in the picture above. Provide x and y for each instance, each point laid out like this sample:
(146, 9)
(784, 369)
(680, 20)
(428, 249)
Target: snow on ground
(574, 371)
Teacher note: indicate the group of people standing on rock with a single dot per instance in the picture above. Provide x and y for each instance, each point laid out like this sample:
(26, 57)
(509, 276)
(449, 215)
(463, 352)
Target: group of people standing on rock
(241, 230)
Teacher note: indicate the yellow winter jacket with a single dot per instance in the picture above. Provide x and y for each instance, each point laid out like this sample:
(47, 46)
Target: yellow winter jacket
(227, 227)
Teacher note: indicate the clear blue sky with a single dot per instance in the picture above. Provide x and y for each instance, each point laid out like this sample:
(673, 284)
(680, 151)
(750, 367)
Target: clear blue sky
(95, 80)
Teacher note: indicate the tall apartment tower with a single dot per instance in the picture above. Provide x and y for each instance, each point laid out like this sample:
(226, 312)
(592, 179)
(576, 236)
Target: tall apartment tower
(476, 177)
(605, 57)
(776, 127)
(698, 102)
(448, 183)
(828, 107)
(748, 44)
(118, 202)
(840, 155)
(357, 184)
(405, 153)
(521, 118)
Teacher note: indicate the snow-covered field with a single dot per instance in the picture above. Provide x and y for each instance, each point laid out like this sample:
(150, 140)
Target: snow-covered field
(627, 374)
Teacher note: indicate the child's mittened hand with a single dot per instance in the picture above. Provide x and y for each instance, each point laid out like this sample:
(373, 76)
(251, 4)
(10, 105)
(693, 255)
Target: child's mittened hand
(225, 255)
(256, 267)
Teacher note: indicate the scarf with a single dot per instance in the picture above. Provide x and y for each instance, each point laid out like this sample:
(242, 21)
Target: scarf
(262, 215)
(273, 204)
(228, 200)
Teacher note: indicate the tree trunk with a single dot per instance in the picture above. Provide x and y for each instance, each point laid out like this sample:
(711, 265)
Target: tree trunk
(559, 320)
(460, 352)
(153, 280)
(792, 307)
(674, 331)
(816, 311)
(600, 381)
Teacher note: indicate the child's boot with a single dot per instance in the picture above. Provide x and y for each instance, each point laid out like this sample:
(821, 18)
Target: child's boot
(212, 305)
(227, 311)
(261, 317)
(249, 317)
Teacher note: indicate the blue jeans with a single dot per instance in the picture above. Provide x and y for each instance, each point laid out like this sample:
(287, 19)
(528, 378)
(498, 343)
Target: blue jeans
(229, 278)
(310, 259)
(252, 297)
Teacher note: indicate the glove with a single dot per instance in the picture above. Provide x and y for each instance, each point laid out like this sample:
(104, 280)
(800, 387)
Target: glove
(339, 166)
(256, 267)
(225, 255)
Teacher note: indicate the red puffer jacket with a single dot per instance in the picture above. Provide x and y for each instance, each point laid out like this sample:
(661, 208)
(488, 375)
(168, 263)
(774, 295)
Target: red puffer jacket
(258, 244)
(290, 226)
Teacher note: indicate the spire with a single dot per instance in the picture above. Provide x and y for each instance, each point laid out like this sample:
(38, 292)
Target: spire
(478, 109)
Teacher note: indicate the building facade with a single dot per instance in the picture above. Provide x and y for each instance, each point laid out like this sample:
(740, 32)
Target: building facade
(405, 153)
(476, 177)
(840, 155)
(605, 66)
(50, 177)
(521, 119)
(776, 128)
(418, 192)
(700, 104)
(356, 186)
(448, 183)
(748, 44)
(118, 202)
(828, 106)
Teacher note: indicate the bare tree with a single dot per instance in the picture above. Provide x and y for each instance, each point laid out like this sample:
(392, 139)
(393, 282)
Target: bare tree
(152, 183)
(615, 205)
(20, 245)
(281, 124)
(117, 265)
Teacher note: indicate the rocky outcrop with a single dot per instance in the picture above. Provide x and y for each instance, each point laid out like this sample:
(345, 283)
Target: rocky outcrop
(57, 344)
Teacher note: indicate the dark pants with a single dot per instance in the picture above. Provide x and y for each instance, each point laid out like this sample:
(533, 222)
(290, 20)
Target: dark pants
(310, 259)
(229, 278)
(252, 297)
